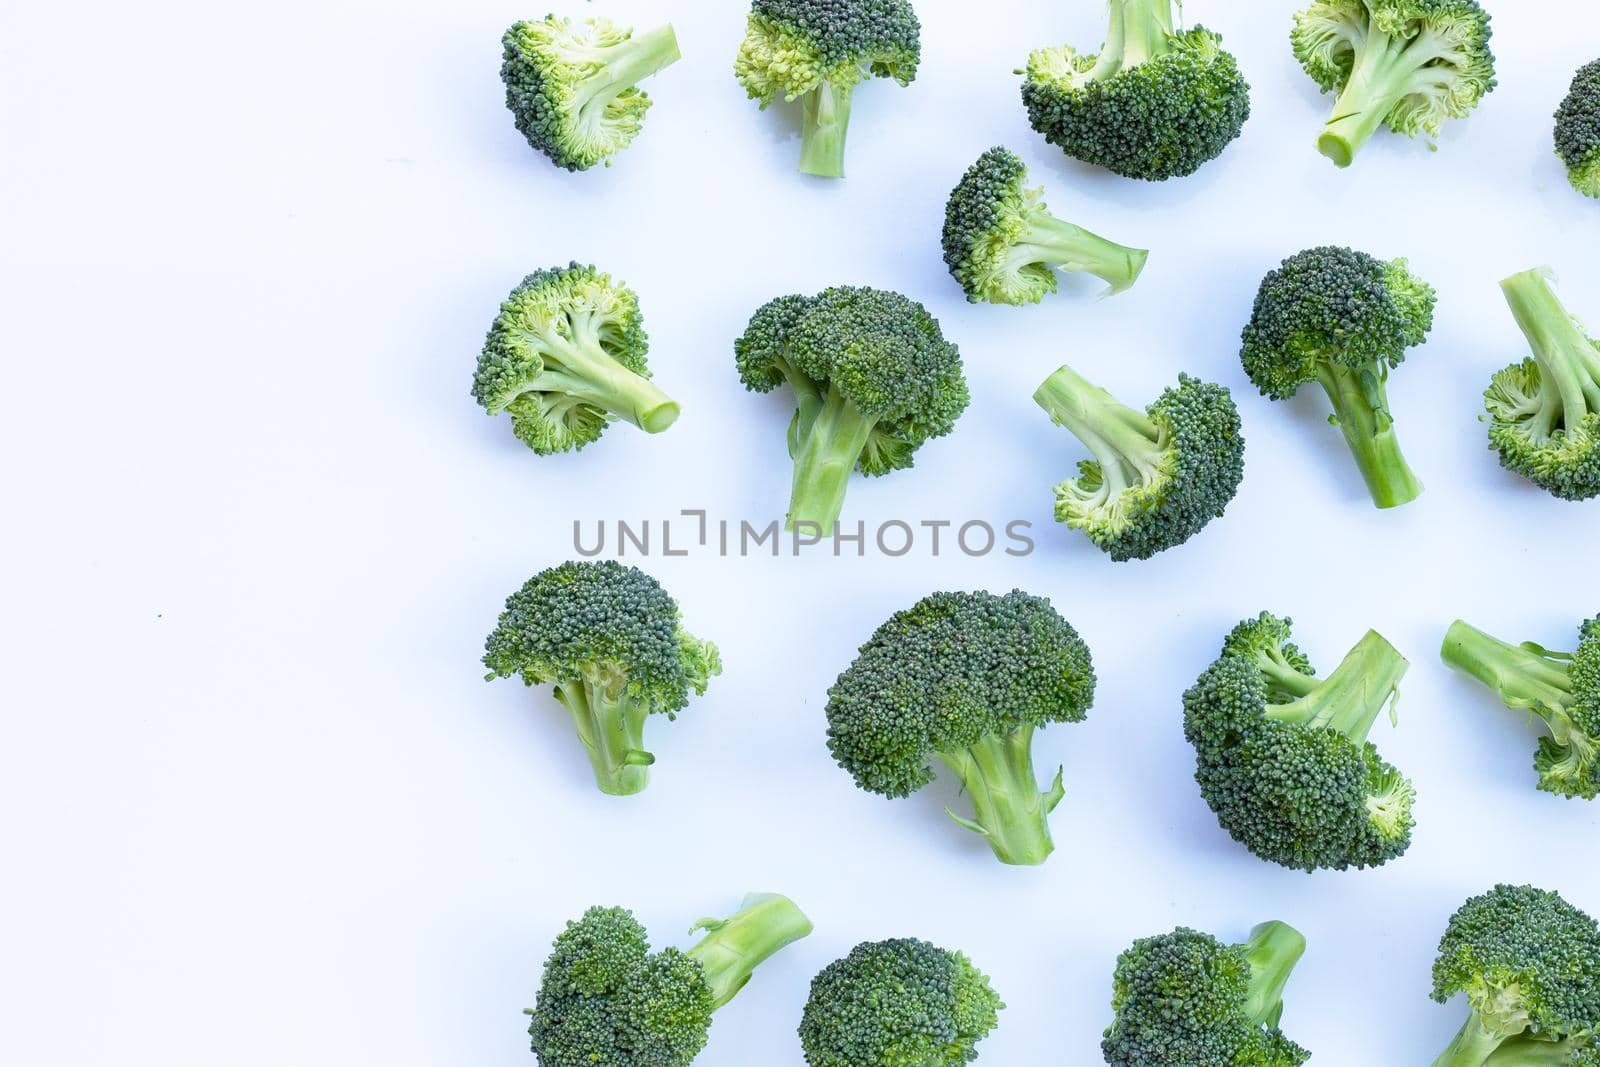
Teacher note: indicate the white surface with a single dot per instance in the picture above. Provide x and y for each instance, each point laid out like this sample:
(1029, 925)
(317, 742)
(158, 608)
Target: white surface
(260, 806)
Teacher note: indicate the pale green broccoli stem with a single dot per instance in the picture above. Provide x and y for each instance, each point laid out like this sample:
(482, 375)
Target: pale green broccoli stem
(828, 452)
(1360, 407)
(1125, 443)
(1528, 1051)
(1072, 248)
(1008, 808)
(1569, 363)
(1146, 29)
(825, 120)
(621, 67)
(1273, 950)
(579, 366)
(611, 728)
(1387, 69)
(734, 947)
(1472, 1046)
(1350, 698)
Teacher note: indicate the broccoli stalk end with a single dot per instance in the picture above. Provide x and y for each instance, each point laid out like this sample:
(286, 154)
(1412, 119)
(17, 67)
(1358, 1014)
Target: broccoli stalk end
(734, 947)
(1361, 411)
(1009, 810)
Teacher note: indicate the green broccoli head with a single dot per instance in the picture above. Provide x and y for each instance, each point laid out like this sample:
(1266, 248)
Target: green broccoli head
(608, 637)
(1282, 756)
(1343, 319)
(1528, 963)
(902, 1001)
(963, 680)
(817, 51)
(572, 87)
(1158, 477)
(1004, 247)
(1156, 102)
(1185, 997)
(873, 378)
(1578, 130)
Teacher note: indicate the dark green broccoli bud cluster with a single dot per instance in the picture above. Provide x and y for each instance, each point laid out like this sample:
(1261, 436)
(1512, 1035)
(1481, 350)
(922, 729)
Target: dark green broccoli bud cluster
(902, 1001)
(1404, 64)
(817, 52)
(1187, 998)
(1344, 320)
(565, 356)
(572, 86)
(873, 378)
(1282, 756)
(1562, 689)
(964, 680)
(608, 637)
(1578, 130)
(1544, 412)
(1156, 102)
(1158, 477)
(1529, 965)
(606, 1000)
(1004, 247)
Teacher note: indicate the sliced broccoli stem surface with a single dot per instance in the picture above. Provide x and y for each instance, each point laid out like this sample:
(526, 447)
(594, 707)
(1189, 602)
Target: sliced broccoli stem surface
(1361, 408)
(1385, 71)
(1009, 810)
(1072, 248)
(1350, 698)
(1523, 678)
(580, 367)
(620, 67)
(827, 454)
(1565, 354)
(734, 947)
(1273, 950)
(1474, 1043)
(1125, 443)
(612, 732)
(825, 121)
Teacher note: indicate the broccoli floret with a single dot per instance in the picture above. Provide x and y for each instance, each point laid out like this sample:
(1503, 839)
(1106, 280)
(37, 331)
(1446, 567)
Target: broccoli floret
(608, 638)
(1157, 102)
(1156, 478)
(565, 356)
(1004, 247)
(1578, 130)
(1343, 319)
(902, 1001)
(873, 378)
(1282, 756)
(1529, 964)
(817, 51)
(1187, 998)
(964, 680)
(1404, 64)
(1544, 412)
(606, 1000)
(1562, 689)
(572, 86)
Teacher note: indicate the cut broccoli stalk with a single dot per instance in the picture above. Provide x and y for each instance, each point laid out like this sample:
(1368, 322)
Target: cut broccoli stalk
(825, 122)
(1361, 411)
(611, 727)
(1386, 70)
(1076, 250)
(1125, 443)
(1350, 698)
(580, 368)
(618, 68)
(825, 453)
(1141, 31)
(734, 947)
(1473, 1044)
(1273, 950)
(1009, 810)
(1566, 356)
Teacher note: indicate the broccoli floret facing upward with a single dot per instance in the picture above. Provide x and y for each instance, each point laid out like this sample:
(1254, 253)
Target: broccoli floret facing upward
(1578, 130)
(1157, 102)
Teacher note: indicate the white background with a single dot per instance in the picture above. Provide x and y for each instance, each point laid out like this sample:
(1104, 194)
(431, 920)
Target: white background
(260, 807)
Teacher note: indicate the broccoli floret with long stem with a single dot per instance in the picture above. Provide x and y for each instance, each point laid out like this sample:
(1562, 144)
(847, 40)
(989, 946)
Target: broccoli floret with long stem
(1578, 130)
(1404, 64)
(1344, 320)
(572, 87)
(1187, 998)
(1158, 476)
(1561, 689)
(607, 636)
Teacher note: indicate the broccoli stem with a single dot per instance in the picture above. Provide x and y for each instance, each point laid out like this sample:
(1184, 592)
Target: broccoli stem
(1350, 698)
(1146, 29)
(1360, 407)
(612, 732)
(1524, 679)
(1009, 809)
(734, 947)
(827, 453)
(1568, 360)
(1383, 73)
(1125, 443)
(1273, 950)
(580, 367)
(825, 120)
(1072, 248)
(1473, 1045)
(622, 66)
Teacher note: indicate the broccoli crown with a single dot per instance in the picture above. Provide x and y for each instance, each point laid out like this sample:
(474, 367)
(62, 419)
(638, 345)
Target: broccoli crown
(793, 46)
(898, 1002)
(948, 672)
(607, 1001)
(1578, 130)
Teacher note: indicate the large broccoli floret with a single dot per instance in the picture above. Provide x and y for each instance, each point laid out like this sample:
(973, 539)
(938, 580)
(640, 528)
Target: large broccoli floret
(900, 1002)
(1562, 689)
(1404, 64)
(873, 378)
(606, 1000)
(1343, 319)
(1282, 756)
(1544, 412)
(1187, 998)
(572, 86)
(1157, 102)
(608, 638)
(1578, 130)
(1157, 477)
(964, 680)
(565, 356)
(1529, 964)
(817, 51)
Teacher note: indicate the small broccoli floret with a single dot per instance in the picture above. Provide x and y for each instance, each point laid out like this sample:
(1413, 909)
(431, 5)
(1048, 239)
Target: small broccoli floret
(1578, 130)
(1343, 319)
(1404, 64)
(565, 356)
(900, 1002)
(572, 86)
(1157, 102)
(1282, 756)
(964, 680)
(1187, 998)
(1529, 964)
(1544, 412)
(608, 638)
(817, 51)
(873, 378)
(1157, 478)
(606, 1000)
(1562, 689)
